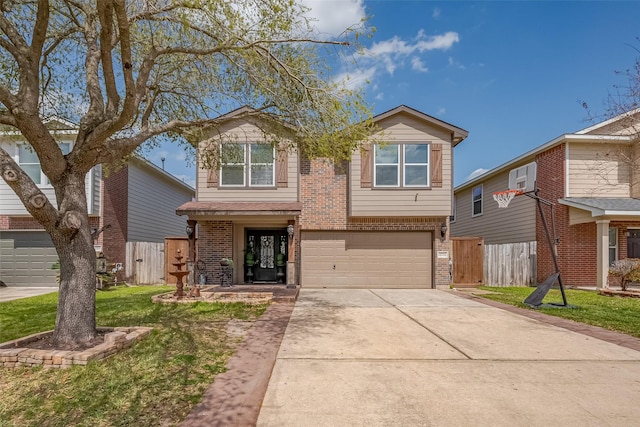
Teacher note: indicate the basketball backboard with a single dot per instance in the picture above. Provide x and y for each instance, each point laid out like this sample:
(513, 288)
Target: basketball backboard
(523, 178)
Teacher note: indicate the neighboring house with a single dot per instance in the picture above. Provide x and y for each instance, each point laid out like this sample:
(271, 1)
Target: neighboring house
(136, 203)
(377, 221)
(590, 177)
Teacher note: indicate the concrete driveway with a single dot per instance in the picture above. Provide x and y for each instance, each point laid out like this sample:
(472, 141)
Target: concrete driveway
(10, 293)
(431, 358)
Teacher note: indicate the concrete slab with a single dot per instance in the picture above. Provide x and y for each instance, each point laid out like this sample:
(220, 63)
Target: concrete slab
(10, 293)
(451, 393)
(340, 298)
(423, 298)
(360, 333)
(489, 333)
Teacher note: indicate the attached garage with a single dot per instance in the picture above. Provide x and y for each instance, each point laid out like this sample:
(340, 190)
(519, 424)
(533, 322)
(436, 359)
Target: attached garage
(366, 259)
(26, 258)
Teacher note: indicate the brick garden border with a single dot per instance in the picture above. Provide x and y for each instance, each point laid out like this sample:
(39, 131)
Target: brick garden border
(13, 354)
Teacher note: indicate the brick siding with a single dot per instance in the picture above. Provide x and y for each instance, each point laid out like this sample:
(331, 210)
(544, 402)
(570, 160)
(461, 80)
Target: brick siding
(115, 212)
(215, 241)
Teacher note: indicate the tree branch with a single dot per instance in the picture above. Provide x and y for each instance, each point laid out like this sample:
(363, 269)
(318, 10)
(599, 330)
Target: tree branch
(105, 15)
(37, 204)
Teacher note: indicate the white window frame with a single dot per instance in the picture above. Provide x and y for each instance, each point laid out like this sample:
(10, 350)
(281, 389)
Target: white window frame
(427, 165)
(246, 168)
(401, 166)
(44, 180)
(481, 200)
(273, 166)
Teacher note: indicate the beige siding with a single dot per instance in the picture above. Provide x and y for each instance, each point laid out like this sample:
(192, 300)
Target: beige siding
(411, 201)
(597, 170)
(244, 132)
(516, 223)
(153, 200)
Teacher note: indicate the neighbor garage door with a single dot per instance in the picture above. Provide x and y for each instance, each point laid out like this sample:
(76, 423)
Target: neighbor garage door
(26, 258)
(366, 259)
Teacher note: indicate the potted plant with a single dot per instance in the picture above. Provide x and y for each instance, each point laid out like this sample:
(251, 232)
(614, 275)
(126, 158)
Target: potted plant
(280, 259)
(249, 259)
(226, 262)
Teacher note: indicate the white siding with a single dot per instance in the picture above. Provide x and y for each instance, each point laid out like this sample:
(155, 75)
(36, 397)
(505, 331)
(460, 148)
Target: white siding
(10, 204)
(410, 201)
(153, 200)
(597, 170)
(245, 132)
(516, 223)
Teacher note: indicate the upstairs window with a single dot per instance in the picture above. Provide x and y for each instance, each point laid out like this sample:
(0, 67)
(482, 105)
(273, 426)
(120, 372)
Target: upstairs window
(247, 163)
(476, 200)
(30, 164)
(401, 165)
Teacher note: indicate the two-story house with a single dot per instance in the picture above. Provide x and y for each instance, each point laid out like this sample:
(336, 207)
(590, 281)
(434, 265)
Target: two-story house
(591, 177)
(136, 203)
(380, 220)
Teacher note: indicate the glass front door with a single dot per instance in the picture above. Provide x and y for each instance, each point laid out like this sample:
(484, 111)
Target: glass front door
(269, 252)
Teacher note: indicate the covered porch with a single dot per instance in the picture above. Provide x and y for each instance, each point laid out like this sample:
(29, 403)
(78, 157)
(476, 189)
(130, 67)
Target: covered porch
(259, 237)
(617, 223)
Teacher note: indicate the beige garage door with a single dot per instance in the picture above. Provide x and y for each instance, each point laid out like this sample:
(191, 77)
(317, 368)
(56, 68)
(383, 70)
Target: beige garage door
(366, 259)
(26, 258)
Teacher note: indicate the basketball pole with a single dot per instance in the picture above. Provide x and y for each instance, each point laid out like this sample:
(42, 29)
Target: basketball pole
(536, 297)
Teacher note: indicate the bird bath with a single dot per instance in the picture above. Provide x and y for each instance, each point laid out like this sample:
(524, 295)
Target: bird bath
(179, 273)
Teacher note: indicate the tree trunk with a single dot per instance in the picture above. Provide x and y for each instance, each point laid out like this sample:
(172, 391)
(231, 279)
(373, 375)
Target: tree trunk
(76, 317)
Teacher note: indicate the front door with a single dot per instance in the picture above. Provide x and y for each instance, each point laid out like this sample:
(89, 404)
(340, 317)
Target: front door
(633, 244)
(269, 248)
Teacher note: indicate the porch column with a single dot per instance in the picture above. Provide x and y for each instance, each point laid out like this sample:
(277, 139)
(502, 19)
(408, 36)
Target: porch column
(191, 253)
(291, 259)
(603, 253)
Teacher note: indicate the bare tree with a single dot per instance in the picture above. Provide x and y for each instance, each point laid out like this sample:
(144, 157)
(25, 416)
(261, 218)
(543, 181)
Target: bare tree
(131, 70)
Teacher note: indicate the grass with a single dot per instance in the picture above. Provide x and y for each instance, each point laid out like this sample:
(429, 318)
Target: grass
(610, 312)
(154, 383)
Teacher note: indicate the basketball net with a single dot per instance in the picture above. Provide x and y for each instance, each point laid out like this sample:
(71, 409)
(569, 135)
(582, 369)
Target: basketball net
(505, 197)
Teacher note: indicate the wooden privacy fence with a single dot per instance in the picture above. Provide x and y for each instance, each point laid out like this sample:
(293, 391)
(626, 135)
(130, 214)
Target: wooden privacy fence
(510, 264)
(144, 263)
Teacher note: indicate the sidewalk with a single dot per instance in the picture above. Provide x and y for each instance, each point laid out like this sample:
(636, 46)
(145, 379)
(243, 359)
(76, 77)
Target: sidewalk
(11, 292)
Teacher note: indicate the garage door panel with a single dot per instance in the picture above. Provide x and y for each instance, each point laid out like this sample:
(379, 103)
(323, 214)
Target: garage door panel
(366, 259)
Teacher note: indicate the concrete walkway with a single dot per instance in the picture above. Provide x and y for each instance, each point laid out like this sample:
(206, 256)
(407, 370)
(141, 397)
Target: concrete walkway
(10, 292)
(431, 358)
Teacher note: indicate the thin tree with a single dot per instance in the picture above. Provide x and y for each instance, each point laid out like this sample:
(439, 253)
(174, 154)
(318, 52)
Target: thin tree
(132, 70)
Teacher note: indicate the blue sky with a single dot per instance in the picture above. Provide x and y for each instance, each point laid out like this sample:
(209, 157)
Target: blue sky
(514, 74)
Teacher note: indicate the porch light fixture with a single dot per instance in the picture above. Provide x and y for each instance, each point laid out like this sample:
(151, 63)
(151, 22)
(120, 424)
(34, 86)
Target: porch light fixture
(189, 230)
(443, 230)
(290, 230)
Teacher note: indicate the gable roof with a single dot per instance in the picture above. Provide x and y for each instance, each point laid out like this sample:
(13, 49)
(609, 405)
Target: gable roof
(458, 133)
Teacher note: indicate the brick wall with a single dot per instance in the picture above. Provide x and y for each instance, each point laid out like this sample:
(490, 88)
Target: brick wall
(323, 193)
(114, 213)
(215, 241)
(28, 223)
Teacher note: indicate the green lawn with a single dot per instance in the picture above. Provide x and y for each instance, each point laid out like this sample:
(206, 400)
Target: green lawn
(154, 383)
(613, 313)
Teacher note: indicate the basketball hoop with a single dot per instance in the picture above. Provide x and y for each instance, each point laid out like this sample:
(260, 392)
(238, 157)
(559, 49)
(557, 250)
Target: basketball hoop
(505, 197)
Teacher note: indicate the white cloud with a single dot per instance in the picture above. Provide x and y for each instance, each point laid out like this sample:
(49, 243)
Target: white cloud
(380, 96)
(418, 65)
(357, 78)
(332, 18)
(436, 13)
(441, 111)
(456, 64)
(476, 173)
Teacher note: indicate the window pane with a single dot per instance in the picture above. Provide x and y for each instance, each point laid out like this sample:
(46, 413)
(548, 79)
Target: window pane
(477, 207)
(477, 193)
(612, 255)
(416, 153)
(233, 175)
(233, 153)
(27, 155)
(261, 174)
(33, 171)
(387, 154)
(415, 175)
(613, 236)
(387, 175)
(65, 147)
(261, 153)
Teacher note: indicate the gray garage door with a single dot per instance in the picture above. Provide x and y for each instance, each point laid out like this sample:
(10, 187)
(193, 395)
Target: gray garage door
(26, 258)
(367, 259)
